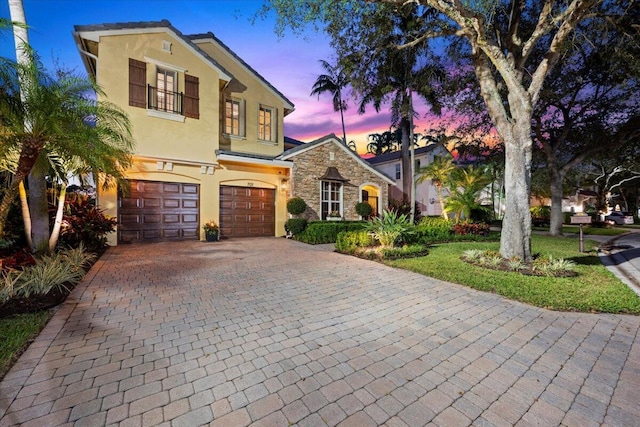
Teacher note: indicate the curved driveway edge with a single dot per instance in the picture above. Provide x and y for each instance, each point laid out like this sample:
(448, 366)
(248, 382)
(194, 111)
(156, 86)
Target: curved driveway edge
(276, 332)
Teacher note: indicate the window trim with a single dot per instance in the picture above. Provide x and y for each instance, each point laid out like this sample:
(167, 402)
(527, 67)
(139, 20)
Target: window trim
(398, 171)
(273, 125)
(330, 202)
(241, 117)
(160, 71)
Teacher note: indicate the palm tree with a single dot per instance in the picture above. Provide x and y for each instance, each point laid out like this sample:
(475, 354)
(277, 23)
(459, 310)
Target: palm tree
(465, 185)
(395, 75)
(62, 117)
(438, 171)
(385, 142)
(333, 82)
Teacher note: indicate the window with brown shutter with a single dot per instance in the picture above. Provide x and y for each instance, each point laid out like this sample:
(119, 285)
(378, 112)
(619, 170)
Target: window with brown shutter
(191, 99)
(137, 83)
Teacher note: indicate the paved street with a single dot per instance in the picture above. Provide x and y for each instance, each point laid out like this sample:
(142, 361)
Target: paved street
(276, 333)
(623, 259)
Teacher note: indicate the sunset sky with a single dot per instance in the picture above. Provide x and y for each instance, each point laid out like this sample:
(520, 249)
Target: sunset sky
(291, 63)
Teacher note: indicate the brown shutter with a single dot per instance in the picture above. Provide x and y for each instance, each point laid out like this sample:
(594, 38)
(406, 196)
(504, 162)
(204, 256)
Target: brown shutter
(137, 83)
(191, 99)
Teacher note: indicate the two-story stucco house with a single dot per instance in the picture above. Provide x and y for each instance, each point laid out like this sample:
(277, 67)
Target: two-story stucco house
(390, 164)
(209, 135)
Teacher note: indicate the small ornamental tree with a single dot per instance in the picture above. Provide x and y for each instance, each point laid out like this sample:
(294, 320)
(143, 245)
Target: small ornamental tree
(296, 206)
(364, 209)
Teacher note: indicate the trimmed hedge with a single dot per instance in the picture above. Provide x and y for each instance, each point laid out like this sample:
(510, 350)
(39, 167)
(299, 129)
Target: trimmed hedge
(295, 225)
(319, 232)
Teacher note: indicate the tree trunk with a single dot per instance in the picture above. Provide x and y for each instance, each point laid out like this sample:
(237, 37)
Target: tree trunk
(515, 240)
(20, 35)
(406, 161)
(55, 233)
(39, 211)
(555, 179)
(26, 216)
(443, 212)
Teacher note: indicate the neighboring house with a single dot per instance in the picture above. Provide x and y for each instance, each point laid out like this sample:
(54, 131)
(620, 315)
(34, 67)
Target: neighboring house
(209, 135)
(426, 195)
(332, 178)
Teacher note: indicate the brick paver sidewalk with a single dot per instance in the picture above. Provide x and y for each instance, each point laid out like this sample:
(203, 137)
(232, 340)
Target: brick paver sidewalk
(275, 332)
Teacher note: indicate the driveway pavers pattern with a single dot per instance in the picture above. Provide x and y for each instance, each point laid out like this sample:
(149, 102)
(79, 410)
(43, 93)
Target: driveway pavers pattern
(272, 332)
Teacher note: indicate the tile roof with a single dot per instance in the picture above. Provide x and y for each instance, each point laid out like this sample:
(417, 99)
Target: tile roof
(148, 25)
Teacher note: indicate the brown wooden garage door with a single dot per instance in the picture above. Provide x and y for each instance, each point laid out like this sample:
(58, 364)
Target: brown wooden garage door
(247, 211)
(156, 211)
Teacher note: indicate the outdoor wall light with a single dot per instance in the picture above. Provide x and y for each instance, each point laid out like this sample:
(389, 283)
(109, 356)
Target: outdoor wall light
(432, 200)
(284, 184)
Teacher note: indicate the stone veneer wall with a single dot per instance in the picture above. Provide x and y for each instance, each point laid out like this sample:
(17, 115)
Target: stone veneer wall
(312, 164)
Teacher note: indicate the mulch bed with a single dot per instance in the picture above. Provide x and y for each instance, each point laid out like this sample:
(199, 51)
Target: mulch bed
(35, 302)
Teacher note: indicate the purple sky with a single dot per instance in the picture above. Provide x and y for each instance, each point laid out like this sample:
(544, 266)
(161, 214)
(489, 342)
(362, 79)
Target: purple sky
(290, 64)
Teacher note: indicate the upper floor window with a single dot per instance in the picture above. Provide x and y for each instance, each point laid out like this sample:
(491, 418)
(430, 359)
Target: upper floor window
(398, 171)
(164, 96)
(267, 124)
(234, 117)
(166, 93)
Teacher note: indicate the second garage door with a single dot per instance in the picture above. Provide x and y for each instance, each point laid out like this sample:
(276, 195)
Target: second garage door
(247, 211)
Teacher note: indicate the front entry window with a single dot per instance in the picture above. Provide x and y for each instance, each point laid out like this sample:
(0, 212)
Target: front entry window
(331, 197)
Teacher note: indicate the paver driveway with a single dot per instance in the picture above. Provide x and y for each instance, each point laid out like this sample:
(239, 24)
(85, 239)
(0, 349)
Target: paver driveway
(276, 332)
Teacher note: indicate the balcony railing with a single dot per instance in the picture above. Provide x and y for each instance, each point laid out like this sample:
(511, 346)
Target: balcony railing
(162, 100)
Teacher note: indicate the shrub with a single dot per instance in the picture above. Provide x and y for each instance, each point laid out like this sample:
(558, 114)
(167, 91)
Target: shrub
(403, 207)
(83, 223)
(465, 227)
(389, 228)
(319, 232)
(296, 206)
(540, 215)
(348, 241)
(52, 272)
(431, 229)
(295, 225)
(481, 214)
(364, 209)
(407, 251)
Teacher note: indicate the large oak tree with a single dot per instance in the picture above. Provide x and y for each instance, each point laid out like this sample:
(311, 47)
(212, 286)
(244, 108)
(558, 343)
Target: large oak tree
(510, 77)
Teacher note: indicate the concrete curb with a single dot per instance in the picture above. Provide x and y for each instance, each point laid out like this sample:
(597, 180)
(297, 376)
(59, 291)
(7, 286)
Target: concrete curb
(614, 259)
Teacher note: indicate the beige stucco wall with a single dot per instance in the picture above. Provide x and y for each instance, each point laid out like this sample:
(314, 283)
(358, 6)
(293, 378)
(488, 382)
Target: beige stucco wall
(191, 143)
(195, 139)
(225, 174)
(309, 165)
(245, 86)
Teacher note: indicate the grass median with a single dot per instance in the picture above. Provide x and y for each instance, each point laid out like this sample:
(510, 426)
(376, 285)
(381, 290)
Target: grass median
(594, 289)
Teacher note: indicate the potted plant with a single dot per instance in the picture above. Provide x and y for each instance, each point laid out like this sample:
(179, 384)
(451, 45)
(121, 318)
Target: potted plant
(211, 231)
(334, 216)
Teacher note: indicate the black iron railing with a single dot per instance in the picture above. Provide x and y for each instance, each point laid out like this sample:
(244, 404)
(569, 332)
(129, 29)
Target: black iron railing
(162, 100)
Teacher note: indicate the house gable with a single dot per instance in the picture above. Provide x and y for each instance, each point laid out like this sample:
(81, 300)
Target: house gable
(328, 156)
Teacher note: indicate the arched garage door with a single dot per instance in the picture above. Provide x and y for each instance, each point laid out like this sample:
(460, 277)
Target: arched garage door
(158, 211)
(247, 211)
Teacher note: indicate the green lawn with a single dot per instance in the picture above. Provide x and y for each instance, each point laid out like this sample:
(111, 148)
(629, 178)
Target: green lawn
(17, 332)
(596, 231)
(595, 289)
